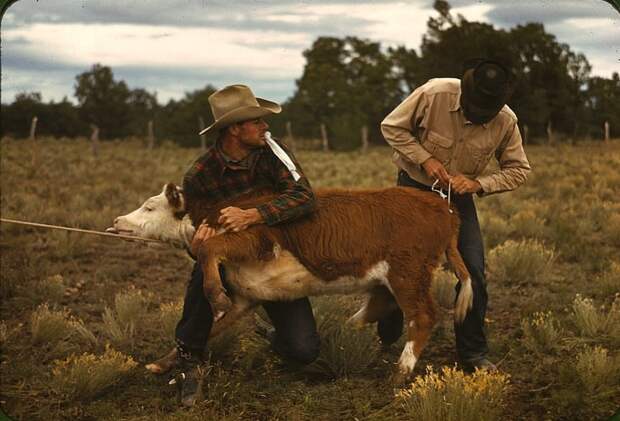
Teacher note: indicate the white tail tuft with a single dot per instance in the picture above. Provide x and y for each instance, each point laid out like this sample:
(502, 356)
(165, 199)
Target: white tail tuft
(464, 301)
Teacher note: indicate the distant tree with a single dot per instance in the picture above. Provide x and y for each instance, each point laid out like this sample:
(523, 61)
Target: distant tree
(143, 108)
(16, 118)
(552, 81)
(180, 119)
(104, 101)
(346, 84)
(603, 104)
(61, 119)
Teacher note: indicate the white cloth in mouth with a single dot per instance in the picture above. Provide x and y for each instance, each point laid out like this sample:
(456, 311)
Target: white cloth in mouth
(282, 156)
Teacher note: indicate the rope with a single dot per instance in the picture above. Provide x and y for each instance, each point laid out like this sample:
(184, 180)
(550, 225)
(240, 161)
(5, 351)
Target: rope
(440, 192)
(105, 234)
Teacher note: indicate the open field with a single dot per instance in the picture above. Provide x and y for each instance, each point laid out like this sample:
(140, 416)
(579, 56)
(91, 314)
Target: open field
(82, 314)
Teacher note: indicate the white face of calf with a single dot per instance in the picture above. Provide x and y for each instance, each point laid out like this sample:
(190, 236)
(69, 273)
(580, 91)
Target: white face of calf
(161, 217)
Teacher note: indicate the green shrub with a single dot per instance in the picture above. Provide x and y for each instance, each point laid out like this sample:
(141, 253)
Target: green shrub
(609, 281)
(4, 333)
(86, 376)
(344, 351)
(588, 320)
(49, 326)
(51, 289)
(495, 229)
(455, 396)
(169, 315)
(541, 333)
(597, 370)
(120, 324)
(520, 262)
(612, 230)
(526, 224)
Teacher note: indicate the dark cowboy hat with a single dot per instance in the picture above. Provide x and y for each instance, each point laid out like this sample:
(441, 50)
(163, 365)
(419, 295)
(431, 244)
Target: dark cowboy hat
(486, 86)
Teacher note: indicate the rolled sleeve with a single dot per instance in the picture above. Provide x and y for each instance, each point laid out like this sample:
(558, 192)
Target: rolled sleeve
(514, 166)
(399, 126)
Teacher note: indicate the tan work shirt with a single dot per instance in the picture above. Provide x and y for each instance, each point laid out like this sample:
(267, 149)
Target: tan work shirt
(430, 122)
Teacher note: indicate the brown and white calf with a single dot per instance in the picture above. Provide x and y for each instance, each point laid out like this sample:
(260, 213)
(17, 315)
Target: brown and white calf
(384, 242)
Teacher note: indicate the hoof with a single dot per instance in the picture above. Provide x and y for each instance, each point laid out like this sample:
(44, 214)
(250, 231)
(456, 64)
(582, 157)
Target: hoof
(164, 364)
(221, 304)
(218, 316)
(399, 379)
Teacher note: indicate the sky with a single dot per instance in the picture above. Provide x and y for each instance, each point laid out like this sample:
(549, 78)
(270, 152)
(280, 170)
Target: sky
(175, 46)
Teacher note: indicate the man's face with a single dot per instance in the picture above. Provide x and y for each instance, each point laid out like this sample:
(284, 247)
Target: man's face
(252, 132)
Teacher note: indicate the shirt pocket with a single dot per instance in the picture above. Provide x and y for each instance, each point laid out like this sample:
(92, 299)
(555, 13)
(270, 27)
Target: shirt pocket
(439, 146)
(475, 159)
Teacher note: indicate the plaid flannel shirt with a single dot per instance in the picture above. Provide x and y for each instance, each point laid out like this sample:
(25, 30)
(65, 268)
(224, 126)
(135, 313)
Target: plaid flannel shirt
(213, 177)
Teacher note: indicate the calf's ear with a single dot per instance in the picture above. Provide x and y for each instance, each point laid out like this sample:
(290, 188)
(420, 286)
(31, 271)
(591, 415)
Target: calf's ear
(174, 195)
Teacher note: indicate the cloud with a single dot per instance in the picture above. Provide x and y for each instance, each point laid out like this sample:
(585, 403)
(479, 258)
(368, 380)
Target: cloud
(179, 45)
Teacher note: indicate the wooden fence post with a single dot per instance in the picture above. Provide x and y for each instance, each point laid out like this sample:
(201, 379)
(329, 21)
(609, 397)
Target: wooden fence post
(526, 132)
(606, 131)
(94, 137)
(289, 136)
(33, 127)
(151, 135)
(550, 137)
(35, 152)
(203, 137)
(324, 137)
(364, 139)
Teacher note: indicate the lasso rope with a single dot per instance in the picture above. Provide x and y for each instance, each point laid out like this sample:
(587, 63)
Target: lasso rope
(444, 196)
(105, 234)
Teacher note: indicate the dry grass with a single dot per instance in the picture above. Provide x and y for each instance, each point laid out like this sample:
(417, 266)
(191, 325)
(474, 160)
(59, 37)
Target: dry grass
(521, 262)
(541, 333)
(568, 206)
(442, 288)
(454, 396)
(83, 377)
(50, 326)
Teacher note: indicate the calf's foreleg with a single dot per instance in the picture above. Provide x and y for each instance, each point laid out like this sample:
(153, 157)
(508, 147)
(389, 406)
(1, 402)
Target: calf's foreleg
(233, 247)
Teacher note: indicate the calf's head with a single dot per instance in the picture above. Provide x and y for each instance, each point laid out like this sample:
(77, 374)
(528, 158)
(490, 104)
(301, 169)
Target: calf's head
(160, 217)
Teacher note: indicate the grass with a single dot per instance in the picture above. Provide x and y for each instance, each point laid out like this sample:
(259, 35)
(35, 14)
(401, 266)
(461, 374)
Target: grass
(83, 377)
(455, 396)
(520, 262)
(63, 297)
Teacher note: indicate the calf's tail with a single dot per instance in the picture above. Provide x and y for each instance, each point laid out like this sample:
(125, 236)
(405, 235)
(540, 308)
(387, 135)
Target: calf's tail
(465, 299)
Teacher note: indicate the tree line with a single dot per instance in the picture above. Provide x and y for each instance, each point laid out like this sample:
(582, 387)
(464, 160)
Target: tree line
(350, 83)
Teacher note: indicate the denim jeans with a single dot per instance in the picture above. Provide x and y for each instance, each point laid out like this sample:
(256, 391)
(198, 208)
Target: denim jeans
(471, 342)
(296, 338)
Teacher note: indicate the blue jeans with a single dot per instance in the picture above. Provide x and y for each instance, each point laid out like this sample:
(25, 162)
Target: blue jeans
(295, 339)
(471, 342)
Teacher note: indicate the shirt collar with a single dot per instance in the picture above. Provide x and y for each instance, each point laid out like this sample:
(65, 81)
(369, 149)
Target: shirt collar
(226, 162)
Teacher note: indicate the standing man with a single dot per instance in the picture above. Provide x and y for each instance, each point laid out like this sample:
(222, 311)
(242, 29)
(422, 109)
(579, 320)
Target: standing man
(243, 160)
(448, 130)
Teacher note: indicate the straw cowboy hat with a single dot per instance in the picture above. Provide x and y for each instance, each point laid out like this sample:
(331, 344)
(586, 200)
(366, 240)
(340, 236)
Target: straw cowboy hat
(236, 103)
(486, 86)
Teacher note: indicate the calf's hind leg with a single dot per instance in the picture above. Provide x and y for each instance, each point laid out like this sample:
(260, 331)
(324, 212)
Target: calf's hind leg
(414, 298)
(380, 303)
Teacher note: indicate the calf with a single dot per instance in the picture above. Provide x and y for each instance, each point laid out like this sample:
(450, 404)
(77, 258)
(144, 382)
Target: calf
(384, 242)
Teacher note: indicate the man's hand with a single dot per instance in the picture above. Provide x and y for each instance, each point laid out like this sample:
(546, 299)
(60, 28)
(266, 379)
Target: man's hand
(462, 184)
(203, 233)
(435, 170)
(235, 219)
